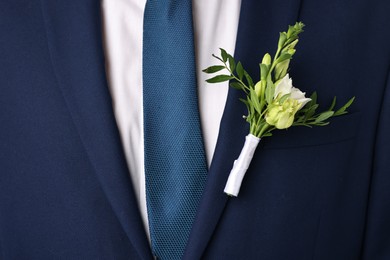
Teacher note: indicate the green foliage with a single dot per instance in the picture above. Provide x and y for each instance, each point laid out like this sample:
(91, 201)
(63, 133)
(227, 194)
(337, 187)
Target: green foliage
(220, 78)
(308, 116)
(261, 95)
(213, 69)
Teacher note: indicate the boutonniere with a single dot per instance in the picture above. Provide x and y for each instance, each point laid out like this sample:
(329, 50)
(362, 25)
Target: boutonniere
(273, 102)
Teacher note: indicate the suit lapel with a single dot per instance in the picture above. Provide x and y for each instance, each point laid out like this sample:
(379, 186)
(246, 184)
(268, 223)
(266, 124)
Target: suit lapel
(260, 22)
(75, 44)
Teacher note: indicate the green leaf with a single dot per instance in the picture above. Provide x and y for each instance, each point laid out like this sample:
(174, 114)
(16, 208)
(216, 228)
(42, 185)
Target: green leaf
(322, 123)
(251, 109)
(310, 112)
(323, 116)
(267, 134)
(283, 57)
(343, 109)
(213, 69)
(237, 85)
(224, 55)
(248, 79)
(313, 98)
(333, 104)
(218, 58)
(240, 70)
(219, 78)
(299, 119)
(232, 63)
(244, 101)
(255, 100)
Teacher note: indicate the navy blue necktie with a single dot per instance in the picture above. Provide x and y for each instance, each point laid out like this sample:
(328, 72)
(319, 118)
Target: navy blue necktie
(175, 163)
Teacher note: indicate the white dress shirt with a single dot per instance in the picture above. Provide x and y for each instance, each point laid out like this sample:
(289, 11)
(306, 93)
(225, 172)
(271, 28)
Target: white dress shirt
(215, 26)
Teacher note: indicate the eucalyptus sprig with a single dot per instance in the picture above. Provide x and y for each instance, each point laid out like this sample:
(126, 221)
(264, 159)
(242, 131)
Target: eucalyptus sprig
(273, 103)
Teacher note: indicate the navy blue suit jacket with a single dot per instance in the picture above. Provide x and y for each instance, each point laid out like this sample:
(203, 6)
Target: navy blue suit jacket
(321, 193)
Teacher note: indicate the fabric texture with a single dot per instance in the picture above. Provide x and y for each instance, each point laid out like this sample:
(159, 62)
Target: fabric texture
(319, 193)
(175, 163)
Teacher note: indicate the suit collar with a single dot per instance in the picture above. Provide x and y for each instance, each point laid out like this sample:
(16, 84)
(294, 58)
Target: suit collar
(260, 22)
(75, 44)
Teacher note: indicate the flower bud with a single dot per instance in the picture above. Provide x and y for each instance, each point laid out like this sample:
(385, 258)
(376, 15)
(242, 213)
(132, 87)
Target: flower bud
(260, 87)
(281, 69)
(266, 59)
(264, 69)
(293, 44)
(291, 51)
(282, 39)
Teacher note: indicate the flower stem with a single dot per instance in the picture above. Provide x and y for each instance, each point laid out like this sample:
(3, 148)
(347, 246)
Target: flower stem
(263, 129)
(246, 88)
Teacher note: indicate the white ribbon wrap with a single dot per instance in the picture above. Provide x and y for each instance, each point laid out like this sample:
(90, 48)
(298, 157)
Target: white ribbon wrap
(240, 165)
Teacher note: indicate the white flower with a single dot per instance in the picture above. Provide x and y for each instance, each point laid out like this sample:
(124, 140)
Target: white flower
(281, 111)
(285, 87)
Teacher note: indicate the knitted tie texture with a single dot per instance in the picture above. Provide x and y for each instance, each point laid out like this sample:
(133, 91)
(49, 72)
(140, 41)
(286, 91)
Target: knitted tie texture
(175, 163)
